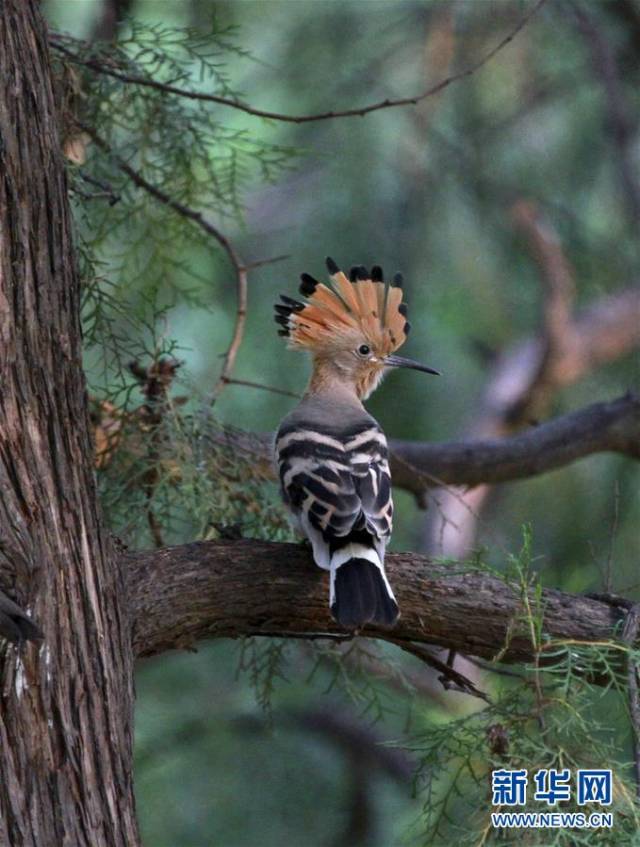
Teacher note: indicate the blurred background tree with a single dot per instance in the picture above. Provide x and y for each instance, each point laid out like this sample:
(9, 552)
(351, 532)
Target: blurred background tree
(511, 202)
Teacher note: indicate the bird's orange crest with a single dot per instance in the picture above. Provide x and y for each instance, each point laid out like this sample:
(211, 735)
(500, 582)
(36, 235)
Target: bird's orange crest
(346, 312)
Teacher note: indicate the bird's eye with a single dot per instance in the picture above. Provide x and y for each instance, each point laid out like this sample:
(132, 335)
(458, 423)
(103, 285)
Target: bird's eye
(364, 350)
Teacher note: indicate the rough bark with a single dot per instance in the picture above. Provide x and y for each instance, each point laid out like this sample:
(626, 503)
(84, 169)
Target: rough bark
(66, 706)
(233, 588)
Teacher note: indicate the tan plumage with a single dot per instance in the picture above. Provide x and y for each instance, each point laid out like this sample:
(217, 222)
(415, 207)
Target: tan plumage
(362, 308)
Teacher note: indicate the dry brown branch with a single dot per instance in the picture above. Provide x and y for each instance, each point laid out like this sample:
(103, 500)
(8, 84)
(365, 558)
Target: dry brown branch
(361, 111)
(239, 267)
(179, 595)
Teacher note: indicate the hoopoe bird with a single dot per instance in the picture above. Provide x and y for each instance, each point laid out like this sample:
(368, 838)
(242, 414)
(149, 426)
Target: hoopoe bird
(331, 453)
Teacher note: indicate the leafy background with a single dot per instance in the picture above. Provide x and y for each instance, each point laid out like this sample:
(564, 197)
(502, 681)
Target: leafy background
(227, 750)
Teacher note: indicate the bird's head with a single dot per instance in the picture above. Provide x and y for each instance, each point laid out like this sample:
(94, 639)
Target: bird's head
(352, 327)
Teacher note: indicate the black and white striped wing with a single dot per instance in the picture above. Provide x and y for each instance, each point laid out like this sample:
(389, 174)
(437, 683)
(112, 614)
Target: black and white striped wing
(370, 468)
(336, 485)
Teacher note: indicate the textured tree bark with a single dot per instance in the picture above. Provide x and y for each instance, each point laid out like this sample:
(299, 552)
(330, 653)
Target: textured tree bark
(66, 705)
(232, 588)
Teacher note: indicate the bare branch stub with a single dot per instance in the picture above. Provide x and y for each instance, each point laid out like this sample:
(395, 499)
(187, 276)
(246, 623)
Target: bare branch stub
(361, 111)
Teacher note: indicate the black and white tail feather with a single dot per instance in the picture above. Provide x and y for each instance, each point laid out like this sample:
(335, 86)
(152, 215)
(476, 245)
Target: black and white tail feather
(337, 484)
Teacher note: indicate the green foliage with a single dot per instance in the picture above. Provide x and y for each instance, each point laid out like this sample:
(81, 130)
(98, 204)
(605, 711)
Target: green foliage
(167, 462)
(133, 276)
(264, 661)
(555, 713)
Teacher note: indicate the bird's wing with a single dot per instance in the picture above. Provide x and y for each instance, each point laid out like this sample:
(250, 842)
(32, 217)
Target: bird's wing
(370, 469)
(334, 484)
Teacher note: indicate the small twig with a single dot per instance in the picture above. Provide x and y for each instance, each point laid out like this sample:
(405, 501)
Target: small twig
(449, 677)
(260, 263)
(630, 636)
(361, 111)
(484, 665)
(238, 265)
(105, 187)
(271, 388)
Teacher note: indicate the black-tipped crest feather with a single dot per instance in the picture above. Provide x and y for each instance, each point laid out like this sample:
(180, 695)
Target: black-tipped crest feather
(308, 285)
(338, 313)
(295, 305)
(331, 266)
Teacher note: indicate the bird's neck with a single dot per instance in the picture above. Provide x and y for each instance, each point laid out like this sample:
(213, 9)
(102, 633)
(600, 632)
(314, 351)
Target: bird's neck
(327, 379)
(330, 380)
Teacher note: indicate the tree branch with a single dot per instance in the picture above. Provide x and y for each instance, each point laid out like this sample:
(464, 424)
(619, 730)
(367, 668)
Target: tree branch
(180, 595)
(613, 426)
(361, 111)
(417, 466)
(526, 376)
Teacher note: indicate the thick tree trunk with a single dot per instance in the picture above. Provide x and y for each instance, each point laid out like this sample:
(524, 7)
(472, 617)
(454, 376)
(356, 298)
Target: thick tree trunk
(66, 705)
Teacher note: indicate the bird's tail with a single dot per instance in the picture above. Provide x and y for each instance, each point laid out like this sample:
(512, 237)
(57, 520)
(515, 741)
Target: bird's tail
(360, 590)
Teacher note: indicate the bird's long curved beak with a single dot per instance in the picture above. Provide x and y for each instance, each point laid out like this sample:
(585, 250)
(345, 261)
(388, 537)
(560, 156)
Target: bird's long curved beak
(401, 362)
